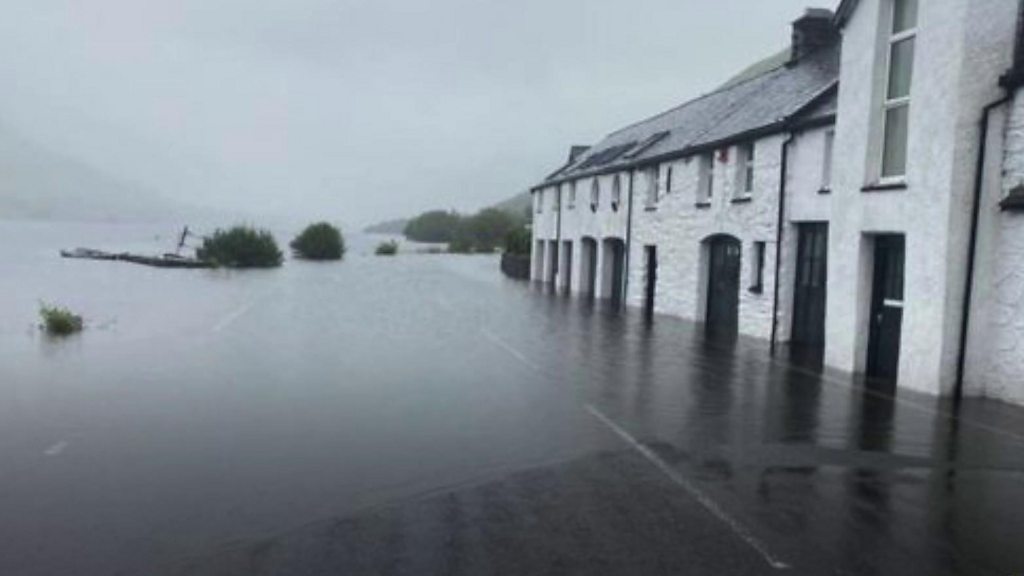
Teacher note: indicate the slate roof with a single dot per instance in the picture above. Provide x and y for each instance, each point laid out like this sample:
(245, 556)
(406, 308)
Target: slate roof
(756, 106)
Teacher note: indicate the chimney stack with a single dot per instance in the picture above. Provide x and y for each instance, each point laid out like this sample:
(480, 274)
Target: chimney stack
(812, 31)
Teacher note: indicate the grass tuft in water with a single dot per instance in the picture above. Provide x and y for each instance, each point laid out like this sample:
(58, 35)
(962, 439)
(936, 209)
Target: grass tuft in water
(59, 321)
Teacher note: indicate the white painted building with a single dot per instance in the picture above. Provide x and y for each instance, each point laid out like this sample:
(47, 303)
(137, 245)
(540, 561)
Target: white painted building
(826, 201)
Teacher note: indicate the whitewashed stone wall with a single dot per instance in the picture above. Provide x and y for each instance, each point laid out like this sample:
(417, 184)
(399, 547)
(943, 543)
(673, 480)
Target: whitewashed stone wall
(579, 221)
(805, 202)
(962, 48)
(545, 231)
(995, 366)
(678, 227)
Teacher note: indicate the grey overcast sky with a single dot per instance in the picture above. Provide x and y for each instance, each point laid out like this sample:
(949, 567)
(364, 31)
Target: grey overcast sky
(358, 110)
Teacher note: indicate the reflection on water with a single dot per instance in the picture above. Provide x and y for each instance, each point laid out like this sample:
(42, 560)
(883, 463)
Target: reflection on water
(202, 407)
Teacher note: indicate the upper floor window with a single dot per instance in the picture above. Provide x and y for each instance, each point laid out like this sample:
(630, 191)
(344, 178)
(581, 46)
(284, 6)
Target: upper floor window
(826, 161)
(652, 187)
(899, 75)
(557, 200)
(706, 176)
(595, 195)
(745, 170)
(572, 195)
(616, 193)
(668, 180)
(539, 201)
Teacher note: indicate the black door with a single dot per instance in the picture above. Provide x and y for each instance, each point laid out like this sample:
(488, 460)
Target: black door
(567, 283)
(886, 308)
(809, 296)
(723, 287)
(554, 264)
(651, 285)
(618, 257)
(591, 261)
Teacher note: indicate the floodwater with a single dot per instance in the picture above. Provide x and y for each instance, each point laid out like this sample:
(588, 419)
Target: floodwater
(423, 415)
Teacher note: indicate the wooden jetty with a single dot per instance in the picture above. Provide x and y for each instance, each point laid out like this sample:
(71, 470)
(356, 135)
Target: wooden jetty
(165, 261)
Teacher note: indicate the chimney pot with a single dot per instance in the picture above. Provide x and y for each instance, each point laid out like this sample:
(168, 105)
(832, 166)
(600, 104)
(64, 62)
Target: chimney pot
(812, 31)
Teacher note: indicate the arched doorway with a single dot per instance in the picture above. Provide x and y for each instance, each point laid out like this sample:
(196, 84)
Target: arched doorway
(723, 301)
(588, 267)
(614, 270)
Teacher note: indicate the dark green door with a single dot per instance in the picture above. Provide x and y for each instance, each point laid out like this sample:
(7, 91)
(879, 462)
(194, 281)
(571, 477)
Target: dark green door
(723, 287)
(809, 297)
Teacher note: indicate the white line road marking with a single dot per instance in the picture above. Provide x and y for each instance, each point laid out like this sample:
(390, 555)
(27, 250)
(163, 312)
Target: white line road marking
(56, 449)
(508, 348)
(692, 490)
(235, 315)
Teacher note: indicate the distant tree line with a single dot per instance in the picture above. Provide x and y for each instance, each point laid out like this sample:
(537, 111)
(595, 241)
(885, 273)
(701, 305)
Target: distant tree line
(483, 232)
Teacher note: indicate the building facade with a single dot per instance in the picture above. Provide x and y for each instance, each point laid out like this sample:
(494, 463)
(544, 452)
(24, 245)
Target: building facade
(856, 197)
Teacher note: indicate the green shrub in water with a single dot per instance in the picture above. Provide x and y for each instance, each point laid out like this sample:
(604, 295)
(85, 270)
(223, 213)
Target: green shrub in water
(58, 321)
(320, 241)
(389, 248)
(241, 247)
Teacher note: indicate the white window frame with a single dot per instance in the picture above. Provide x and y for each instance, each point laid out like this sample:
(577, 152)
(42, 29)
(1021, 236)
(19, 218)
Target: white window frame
(746, 156)
(595, 195)
(892, 39)
(828, 151)
(706, 177)
(572, 195)
(652, 187)
(668, 180)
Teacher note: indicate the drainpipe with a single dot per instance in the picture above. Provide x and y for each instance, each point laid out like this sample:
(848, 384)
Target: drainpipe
(780, 225)
(629, 240)
(972, 256)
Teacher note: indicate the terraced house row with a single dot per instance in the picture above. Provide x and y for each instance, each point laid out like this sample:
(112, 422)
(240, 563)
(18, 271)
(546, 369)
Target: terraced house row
(857, 199)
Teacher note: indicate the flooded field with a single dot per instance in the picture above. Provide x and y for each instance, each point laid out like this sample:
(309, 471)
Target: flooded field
(423, 414)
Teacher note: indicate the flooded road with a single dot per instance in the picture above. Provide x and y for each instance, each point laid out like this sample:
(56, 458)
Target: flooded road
(424, 415)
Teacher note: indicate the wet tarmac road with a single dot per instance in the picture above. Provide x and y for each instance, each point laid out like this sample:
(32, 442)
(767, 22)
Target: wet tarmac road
(424, 416)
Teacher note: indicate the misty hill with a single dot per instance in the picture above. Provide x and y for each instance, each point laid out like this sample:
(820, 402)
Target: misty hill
(37, 183)
(391, 227)
(518, 206)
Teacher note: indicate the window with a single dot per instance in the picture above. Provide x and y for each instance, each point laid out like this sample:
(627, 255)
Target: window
(652, 187)
(899, 75)
(745, 170)
(557, 203)
(706, 187)
(668, 180)
(616, 193)
(539, 201)
(826, 161)
(595, 195)
(572, 195)
(757, 273)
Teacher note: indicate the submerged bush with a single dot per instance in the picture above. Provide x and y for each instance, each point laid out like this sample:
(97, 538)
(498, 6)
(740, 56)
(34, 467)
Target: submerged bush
(389, 248)
(517, 241)
(461, 244)
(58, 321)
(319, 241)
(241, 247)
